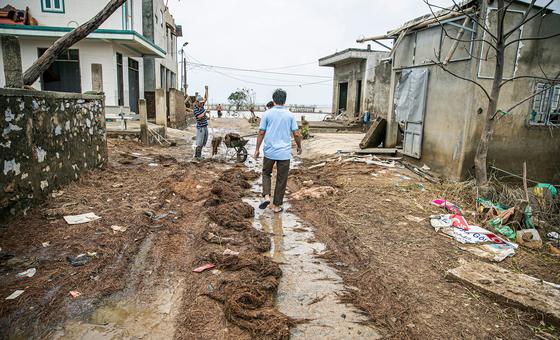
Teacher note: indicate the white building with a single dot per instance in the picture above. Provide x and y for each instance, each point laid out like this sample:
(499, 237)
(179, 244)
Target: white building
(111, 59)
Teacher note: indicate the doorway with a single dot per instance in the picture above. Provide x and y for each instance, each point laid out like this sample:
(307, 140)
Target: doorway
(342, 97)
(133, 85)
(358, 98)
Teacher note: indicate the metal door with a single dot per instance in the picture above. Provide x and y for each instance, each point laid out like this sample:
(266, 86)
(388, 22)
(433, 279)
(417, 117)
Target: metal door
(410, 104)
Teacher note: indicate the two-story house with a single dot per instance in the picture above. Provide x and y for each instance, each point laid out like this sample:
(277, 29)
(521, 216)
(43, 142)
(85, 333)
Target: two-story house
(109, 60)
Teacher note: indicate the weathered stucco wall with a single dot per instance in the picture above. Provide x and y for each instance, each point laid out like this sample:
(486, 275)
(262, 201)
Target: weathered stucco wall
(177, 111)
(376, 99)
(516, 141)
(453, 124)
(48, 139)
(350, 73)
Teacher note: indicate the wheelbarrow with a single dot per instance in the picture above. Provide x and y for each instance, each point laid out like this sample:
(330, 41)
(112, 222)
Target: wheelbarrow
(237, 143)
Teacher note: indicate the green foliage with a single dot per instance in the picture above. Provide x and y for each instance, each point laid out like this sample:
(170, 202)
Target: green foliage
(241, 97)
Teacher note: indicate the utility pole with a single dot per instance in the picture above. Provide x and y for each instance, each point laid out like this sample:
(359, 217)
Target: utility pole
(184, 70)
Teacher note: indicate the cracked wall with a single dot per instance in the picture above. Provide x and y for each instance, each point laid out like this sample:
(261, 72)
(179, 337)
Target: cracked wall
(47, 140)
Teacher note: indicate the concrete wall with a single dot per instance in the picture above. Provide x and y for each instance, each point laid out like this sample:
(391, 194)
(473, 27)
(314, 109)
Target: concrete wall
(376, 93)
(177, 112)
(78, 12)
(48, 139)
(350, 73)
(516, 141)
(452, 124)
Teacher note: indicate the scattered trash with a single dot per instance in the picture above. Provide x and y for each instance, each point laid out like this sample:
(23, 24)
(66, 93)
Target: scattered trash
(529, 238)
(506, 231)
(493, 252)
(539, 190)
(414, 218)
(438, 202)
(55, 194)
(316, 192)
(553, 250)
(390, 164)
(117, 185)
(420, 187)
(230, 252)
(46, 244)
(425, 168)
(216, 271)
(74, 293)
(403, 177)
(203, 268)
(152, 164)
(28, 273)
(308, 183)
(317, 165)
(553, 235)
(461, 231)
(15, 294)
(118, 228)
(83, 218)
(79, 260)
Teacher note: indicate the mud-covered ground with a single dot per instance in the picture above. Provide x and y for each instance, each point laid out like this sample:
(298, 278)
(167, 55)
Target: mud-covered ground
(174, 216)
(139, 282)
(375, 238)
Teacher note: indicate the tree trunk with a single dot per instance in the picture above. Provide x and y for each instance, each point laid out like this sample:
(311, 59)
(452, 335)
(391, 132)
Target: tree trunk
(66, 41)
(480, 163)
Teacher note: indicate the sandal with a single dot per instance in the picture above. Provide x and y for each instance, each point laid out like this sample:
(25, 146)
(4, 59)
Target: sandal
(264, 204)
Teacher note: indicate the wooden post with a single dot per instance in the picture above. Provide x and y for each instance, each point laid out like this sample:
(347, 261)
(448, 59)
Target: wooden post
(518, 213)
(143, 110)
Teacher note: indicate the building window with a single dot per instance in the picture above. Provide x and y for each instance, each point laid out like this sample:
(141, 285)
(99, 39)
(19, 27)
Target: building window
(120, 84)
(54, 6)
(64, 73)
(545, 109)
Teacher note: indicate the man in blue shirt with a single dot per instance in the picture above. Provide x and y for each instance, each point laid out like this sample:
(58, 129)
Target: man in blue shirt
(201, 117)
(278, 125)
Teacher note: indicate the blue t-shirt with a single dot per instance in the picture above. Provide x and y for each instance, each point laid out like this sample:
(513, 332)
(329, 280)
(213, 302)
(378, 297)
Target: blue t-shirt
(200, 122)
(279, 124)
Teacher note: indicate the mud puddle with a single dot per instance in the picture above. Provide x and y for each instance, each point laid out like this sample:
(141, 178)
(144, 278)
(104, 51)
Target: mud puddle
(309, 286)
(145, 310)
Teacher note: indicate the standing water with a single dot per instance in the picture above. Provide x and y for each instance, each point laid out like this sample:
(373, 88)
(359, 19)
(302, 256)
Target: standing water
(309, 286)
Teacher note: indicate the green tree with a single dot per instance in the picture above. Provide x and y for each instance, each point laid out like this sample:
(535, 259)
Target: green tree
(242, 97)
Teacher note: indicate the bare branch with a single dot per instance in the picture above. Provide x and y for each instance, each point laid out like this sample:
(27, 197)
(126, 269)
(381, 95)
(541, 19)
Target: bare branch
(552, 84)
(526, 17)
(532, 38)
(447, 33)
(440, 64)
(528, 77)
(460, 10)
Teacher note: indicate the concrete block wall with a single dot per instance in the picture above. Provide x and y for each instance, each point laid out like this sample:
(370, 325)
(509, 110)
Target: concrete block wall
(47, 140)
(177, 111)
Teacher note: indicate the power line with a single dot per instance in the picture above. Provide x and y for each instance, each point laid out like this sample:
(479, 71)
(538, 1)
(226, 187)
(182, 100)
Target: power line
(257, 71)
(284, 67)
(264, 84)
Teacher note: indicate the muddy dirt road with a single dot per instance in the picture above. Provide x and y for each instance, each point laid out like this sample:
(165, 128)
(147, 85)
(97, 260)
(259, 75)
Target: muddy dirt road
(358, 264)
(378, 237)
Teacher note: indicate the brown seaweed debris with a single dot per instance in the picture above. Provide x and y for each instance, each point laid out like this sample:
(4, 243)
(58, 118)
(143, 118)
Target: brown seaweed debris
(259, 264)
(223, 192)
(232, 215)
(249, 300)
(249, 307)
(259, 240)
